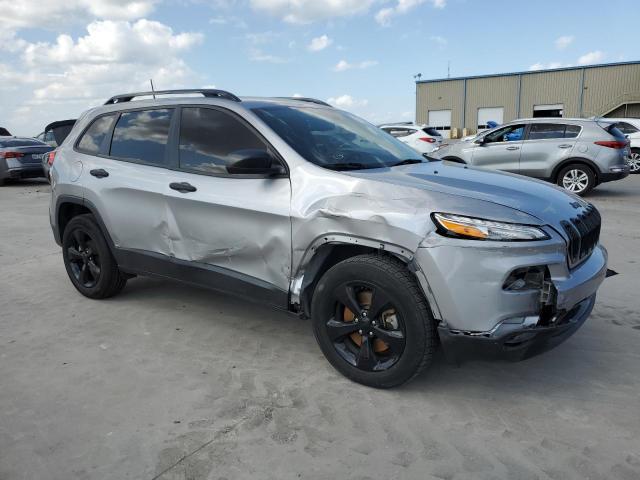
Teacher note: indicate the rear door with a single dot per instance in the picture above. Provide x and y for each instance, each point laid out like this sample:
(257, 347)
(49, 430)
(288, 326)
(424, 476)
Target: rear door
(545, 146)
(235, 226)
(501, 149)
(125, 159)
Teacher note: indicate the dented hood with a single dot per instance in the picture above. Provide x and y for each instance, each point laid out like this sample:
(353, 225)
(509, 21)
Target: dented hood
(539, 199)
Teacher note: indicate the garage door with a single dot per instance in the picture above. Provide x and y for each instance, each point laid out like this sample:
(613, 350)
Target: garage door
(441, 121)
(489, 114)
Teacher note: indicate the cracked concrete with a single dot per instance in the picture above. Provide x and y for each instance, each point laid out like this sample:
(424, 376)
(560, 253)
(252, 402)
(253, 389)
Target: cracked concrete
(170, 382)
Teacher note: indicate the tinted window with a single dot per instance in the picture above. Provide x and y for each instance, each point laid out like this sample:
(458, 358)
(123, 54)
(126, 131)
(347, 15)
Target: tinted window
(142, 135)
(211, 139)
(572, 131)
(92, 139)
(541, 131)
(512, 133)
(626, 128)
(399, 132)
(4, 132)
(431, 131)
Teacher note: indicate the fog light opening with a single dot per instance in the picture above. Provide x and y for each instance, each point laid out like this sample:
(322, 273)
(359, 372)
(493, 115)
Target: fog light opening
(525, 278)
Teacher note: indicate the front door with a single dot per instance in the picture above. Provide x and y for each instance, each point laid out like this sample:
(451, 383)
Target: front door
(500, 149)
(236, 227)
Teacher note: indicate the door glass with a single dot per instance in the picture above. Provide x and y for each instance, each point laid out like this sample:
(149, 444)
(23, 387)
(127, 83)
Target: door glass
(92, 139)
(512, 133)
(541, 131)
(142, 135)
(572, 131)
(211, 139)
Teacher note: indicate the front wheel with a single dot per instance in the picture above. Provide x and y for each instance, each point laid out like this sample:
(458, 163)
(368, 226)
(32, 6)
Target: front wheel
(634, 160)
(372, 321)
(577, 178)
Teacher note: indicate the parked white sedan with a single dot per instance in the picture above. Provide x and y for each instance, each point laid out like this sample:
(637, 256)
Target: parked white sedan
(631, 129)
(421, 138)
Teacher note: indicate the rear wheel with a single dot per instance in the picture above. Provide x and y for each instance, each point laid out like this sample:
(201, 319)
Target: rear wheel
(88, 259)
(372, 322)
(577, 178)
(634, 160)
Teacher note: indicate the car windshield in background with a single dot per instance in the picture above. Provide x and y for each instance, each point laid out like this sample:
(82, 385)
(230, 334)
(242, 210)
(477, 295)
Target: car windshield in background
(335, 139)
(20, 142)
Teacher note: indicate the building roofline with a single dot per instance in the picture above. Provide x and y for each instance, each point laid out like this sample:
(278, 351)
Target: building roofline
(529, 72)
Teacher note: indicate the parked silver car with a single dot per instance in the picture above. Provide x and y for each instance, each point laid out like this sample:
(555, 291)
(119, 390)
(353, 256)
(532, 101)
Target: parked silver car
(577, 154)
(312, 210)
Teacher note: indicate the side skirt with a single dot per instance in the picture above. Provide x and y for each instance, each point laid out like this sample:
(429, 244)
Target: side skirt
(220, 279)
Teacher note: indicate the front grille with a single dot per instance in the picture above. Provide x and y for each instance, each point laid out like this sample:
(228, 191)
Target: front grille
(583, 232)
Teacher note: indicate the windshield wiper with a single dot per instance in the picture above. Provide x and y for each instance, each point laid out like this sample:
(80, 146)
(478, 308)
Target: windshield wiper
(409, 161)
(346, 166)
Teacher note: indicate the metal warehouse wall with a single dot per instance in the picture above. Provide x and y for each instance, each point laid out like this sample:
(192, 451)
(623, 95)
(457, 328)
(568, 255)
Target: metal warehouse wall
(606, 87)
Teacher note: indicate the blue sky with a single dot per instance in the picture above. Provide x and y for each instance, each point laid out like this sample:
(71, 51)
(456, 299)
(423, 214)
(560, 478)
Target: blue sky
(359, 54)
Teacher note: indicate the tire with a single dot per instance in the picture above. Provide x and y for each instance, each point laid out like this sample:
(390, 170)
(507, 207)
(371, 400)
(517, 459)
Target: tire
(398, 331)
(634, 160)
(577, 178)
(88, 259)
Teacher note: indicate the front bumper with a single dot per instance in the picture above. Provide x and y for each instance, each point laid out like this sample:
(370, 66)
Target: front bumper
(514, 342)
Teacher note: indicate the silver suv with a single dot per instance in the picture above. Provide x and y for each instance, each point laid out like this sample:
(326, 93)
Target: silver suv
(311, 210)
(577, 154)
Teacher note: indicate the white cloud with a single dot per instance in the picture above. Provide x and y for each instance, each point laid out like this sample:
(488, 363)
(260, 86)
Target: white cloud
(319, 43)
(307, 11)
(343, 65)
(258, 55)
(592, 57)
(548, 66)
(347, 101)
(385, 15)
(564, 41)
(49, 14)
(440, 41)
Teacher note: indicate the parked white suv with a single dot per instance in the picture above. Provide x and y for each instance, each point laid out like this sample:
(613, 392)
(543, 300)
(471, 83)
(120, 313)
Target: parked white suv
(421, 138)
(631, 129)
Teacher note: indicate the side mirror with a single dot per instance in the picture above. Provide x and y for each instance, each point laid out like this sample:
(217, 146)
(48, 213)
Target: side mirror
(254, 162)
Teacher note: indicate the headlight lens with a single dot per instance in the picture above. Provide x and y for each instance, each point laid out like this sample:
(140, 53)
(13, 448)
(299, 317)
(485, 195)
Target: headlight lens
(480, 229)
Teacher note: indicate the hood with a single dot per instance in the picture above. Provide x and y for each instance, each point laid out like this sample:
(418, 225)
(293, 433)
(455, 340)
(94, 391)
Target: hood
(546, 202)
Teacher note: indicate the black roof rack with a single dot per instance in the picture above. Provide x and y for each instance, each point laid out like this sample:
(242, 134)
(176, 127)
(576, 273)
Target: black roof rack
(206, 92)
(307, 99)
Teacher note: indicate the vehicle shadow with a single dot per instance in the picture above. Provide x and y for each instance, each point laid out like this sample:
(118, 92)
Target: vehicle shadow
(573, 370)
(31, 182)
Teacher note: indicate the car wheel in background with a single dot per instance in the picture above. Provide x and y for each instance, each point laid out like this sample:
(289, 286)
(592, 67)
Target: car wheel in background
(634, 160)
(372, 321)
(88, 259)
(577, 178)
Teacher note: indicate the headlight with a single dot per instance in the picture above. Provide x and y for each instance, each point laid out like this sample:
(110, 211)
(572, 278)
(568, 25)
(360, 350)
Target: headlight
(479, 229)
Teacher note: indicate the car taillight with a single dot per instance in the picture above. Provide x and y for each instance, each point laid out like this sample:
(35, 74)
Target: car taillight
(51, 156)
(613, 143)
(11, 154)
(428, 139)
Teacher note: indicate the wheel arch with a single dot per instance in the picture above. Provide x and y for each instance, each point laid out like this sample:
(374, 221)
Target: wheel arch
(68, 207)
(576, 160)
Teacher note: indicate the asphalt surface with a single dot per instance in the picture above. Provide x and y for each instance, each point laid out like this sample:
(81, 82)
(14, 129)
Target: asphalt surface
(173, 382)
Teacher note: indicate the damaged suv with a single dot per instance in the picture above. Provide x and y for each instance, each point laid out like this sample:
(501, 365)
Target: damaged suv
(298, 205)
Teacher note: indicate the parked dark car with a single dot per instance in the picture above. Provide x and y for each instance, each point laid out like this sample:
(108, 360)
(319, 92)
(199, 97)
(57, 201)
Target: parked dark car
(53, 135)
(21, 158)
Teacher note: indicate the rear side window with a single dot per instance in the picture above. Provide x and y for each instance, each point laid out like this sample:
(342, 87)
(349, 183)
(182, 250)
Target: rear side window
(626, 128)
(542, 131)
(211, 139)
(4, 132)
(431, 131)
(572, 131)
(92, 138)
(142, 135)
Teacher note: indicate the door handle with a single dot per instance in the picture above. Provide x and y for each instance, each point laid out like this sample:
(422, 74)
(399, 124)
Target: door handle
(564, 146)
(99, 173)
(513, 148)
(182, 187)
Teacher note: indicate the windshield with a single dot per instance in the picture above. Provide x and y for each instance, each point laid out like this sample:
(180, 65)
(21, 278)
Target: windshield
(336, 139)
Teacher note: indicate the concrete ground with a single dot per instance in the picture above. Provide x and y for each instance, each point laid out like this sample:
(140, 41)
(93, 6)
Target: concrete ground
(172, 382)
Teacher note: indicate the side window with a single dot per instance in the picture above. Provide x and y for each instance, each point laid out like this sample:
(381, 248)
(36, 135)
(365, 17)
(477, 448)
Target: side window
(626, 128)
(211, 139)
(542, 131)
(93, 137)
(512, 133)
(142, 135)
(572, 131)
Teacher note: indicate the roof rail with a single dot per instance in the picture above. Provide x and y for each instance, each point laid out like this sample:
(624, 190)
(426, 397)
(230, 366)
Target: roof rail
(206, 92)
(308, 99)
